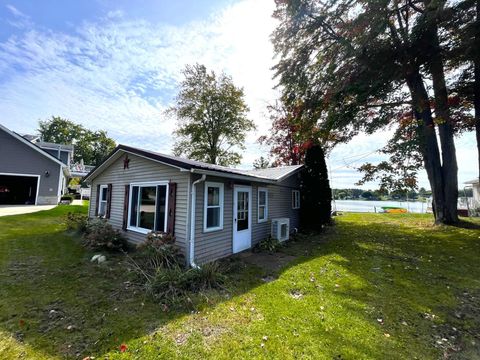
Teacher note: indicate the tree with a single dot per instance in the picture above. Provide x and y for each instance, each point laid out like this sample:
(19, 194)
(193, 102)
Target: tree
(261, 163)
(315, 190)
(91, 146)
(286, 140)
(464, 58)
(347, 65)
(211, 117)
(367, 195)
(60, 131)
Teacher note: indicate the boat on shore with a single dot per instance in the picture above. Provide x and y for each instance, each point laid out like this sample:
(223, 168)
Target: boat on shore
(375, 206)
(393, 210)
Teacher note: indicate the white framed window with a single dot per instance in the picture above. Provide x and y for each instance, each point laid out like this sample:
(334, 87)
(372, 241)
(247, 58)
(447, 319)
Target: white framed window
(102, 200)
(148, 207)
(262, 205)
(295, 199)
(213, 207)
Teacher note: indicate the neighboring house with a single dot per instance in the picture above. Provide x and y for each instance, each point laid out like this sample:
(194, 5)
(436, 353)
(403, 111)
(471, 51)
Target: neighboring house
(62, 152)
(475, 184)
(28, 173)
(213, 211)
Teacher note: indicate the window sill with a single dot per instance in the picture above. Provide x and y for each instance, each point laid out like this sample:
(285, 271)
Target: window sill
(139, 230)
(260, 221)
(208, 230)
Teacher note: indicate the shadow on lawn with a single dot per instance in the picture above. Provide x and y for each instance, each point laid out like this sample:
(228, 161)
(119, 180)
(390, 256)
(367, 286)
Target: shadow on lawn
(420, 284)
(58, 303)
(463, 224)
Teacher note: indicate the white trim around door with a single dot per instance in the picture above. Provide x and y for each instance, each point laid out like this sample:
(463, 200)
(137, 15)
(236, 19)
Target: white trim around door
(242, 218)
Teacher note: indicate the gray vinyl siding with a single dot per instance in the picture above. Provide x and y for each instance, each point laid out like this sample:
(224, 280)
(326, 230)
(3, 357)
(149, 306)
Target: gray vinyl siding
(214, 244)
(279, 206)
(19, 158)
(142, 170)
(217, 244)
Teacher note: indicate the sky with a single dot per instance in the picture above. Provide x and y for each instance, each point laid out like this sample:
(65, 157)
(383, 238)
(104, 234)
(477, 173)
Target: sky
(116, 66)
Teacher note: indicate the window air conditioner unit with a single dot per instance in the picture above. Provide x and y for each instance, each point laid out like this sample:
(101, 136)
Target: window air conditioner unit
(280, 229)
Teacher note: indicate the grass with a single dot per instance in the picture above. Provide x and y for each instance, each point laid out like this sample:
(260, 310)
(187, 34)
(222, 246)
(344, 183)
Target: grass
(375, 286)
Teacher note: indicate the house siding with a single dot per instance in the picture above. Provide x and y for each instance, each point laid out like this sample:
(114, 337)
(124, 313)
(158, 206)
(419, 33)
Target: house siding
(217, 244)
(214, 244)
(142, 170)
(279, 206)
(18, 158)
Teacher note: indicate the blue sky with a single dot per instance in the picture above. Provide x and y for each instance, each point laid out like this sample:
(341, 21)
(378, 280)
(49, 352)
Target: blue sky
(115, 65)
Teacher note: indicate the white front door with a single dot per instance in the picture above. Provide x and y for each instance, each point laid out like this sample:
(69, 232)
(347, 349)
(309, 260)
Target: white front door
(242, 218)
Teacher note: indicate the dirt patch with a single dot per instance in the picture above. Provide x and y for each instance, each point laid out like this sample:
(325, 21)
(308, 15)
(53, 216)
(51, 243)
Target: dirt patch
(459, 336)
(270, 263)
(296, 294)
(53, 317)
(198, 325)
(30, 264)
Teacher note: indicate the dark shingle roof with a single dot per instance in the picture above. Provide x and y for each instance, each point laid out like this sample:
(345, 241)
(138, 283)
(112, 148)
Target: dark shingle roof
(272, 174)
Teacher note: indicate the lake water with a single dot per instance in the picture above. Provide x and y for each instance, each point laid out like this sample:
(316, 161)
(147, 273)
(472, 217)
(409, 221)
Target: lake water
(372, 206)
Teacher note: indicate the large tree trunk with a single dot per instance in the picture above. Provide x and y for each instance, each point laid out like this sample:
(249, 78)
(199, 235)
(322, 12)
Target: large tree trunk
(428, 142)
(476, 84)
(445, 128)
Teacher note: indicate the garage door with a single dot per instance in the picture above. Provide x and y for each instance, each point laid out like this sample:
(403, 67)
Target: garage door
(18, 189)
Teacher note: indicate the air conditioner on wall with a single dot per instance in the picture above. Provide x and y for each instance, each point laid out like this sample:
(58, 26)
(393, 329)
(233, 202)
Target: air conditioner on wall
(280, 229)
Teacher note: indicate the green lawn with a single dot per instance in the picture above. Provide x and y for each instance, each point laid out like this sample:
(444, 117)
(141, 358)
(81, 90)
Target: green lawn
(375, 286)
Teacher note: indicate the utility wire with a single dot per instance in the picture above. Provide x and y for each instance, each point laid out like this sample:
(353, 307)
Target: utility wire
(362, 156)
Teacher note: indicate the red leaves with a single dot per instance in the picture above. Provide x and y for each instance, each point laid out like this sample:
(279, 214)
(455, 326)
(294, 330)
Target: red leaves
(454, 100)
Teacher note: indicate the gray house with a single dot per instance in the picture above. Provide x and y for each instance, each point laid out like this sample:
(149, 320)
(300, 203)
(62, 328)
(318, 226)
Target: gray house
(213, 211)
(28, 173)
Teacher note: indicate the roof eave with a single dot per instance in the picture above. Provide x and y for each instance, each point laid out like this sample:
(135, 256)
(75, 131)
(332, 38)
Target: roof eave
(232, 176)
(290, 173)
(91, 175)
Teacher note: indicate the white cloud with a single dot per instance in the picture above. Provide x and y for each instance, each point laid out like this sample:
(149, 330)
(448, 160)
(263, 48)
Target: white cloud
(120, 75)
(19, 20)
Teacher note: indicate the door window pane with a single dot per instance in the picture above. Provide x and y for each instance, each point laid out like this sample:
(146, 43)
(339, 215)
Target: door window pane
(242, 210)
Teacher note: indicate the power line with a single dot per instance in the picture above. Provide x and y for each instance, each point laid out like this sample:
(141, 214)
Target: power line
(362, 156)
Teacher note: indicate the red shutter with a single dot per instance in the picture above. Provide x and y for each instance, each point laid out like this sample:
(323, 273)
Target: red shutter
(125, 207)
(172, 195)
(109, 201)
(97, 200)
